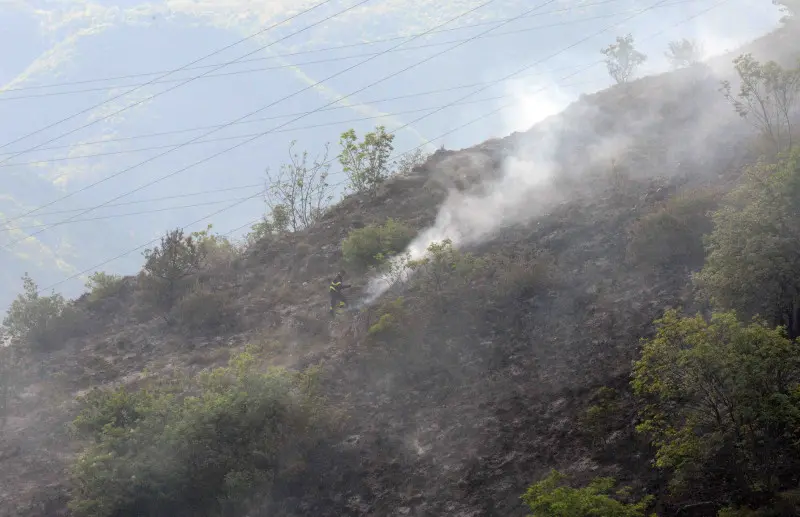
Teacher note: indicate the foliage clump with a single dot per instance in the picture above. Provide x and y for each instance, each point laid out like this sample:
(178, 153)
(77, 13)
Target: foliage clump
(372, 245)
(207, 446)
(752, 265)
(551, 498)
(767, 98)
(42, 323)
(720, 401)
(102, 286)
(366, 163)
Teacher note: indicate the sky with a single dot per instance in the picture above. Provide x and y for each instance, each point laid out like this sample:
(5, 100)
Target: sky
(102, 149)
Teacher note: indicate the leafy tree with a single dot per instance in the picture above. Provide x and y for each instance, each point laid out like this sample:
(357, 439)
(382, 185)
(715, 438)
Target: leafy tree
(168, 266)
(299, 193)
(366, 163)
(162, 452)
(622, 59)
(752, 263)
(766, 99)
(684, 53)
(36, 320)
(550, 498)
(721, 402)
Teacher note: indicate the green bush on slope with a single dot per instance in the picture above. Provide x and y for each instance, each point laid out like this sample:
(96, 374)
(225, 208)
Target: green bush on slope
(370, 245)
(720, 401)
(161, 452)
(550, 498)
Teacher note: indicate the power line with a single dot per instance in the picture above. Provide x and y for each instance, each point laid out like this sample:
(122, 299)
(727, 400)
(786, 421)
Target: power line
(95, 121)
(236, 137)
(342, 58)
(461, 126)
(275, 117)
(155, 199)
(114, 216)
(282, 125)
(311, 51)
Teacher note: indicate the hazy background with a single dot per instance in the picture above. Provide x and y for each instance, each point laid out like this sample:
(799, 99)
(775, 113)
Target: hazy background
(53, 47)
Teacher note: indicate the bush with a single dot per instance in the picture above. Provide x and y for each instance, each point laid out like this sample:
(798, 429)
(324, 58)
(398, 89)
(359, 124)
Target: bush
(391, 318)
(370, 245)
(205, 310)
(444, 271)
(161, 452)
(170, 267)
(672, 235)
(549, 498)
(721, 403)
(41, 322)
(102, 285)
(752, 264)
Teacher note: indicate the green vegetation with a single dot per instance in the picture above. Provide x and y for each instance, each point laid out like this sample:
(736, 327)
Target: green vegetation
(752, 264)
(767, 98)
(102, 286)
(366, 163)
(721, 401)
(299, 193)
(42, 323)
(371, 245)
(622, 59)
(160, 451)
(550, 498)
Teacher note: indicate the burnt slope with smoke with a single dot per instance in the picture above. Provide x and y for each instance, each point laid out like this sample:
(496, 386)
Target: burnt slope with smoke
(476, 399)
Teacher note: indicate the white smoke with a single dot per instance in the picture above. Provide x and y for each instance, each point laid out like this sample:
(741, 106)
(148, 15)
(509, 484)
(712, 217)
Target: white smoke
(471, 215)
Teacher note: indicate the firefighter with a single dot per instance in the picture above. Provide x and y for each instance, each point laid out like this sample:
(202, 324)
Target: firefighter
(337, 298)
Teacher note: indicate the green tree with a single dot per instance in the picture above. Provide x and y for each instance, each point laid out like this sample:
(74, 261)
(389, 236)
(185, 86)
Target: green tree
(550, 498)
(684, 53)
(366, 163)
(622, 59)
(36, 320)
(299, 193)
(720, 401)
(752, 264)
(169, 266)
(767, 98)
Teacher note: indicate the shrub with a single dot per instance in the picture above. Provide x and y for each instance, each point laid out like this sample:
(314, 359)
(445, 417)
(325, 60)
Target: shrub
(721, 403)
(162, 452)
(370, 245)
(391, 318)
(204, 310)
(102, 285)
(170, 266)
(549, 498)
(599, 419)
(42, 322)
(673, 234)
(444, 270)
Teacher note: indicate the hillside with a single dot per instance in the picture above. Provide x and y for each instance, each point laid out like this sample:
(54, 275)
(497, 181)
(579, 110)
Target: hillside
(476, 388)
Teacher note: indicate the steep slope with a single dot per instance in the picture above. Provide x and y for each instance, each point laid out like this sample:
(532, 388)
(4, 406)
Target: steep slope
(473, 401)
